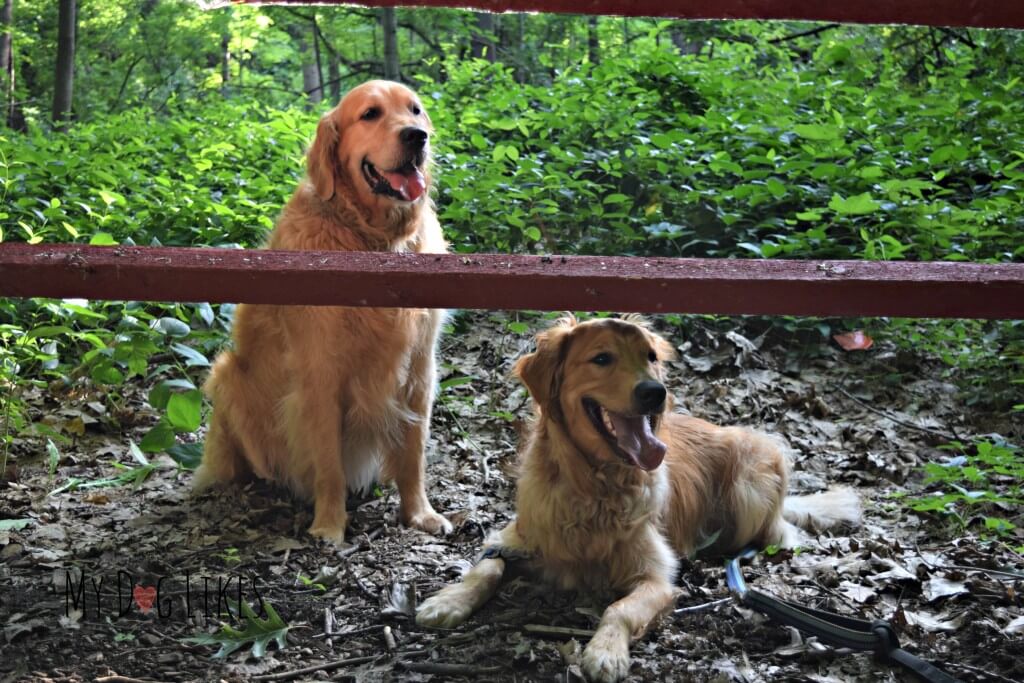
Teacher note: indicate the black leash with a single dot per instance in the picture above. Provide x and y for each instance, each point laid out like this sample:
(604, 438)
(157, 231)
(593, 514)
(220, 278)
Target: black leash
(878, 636)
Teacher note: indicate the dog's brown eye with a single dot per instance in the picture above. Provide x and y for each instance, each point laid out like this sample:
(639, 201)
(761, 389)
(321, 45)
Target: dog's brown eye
(370, 114)
(602, 359)
(416, 111)
(652, 357)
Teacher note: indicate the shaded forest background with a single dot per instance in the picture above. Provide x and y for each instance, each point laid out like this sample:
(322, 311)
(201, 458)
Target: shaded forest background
(157, 122)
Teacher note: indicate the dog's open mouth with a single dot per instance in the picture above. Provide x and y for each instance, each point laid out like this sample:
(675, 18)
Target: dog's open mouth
(631, 437)
(405, 183)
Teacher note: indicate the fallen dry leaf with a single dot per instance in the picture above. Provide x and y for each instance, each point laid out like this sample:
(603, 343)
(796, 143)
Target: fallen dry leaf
(1014, 627)
(937, 588)
(854, 341)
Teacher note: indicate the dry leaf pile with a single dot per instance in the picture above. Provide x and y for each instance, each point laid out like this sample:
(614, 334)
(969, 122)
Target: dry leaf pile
(869, 419)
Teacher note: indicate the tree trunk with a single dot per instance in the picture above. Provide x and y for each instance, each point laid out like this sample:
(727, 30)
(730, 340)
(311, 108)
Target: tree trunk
(317, 96)
(482, 42)
(389, 26)
(65, 75)
(593, 41)
(334, 78)
(310, 74)
(225, 63)
(522, 54)
(11, 113)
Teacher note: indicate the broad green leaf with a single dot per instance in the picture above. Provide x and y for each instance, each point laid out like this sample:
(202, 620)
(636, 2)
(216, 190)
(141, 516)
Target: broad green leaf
(172, 327)
(192, 357)
(184, 410)
(817, 131)
(187, 455)
(102, 239)
(856, 205)
(159, 438)
(259, 632)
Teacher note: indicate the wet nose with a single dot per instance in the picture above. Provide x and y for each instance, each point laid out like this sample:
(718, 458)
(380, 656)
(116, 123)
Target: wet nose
(649, 396)
(413, 137)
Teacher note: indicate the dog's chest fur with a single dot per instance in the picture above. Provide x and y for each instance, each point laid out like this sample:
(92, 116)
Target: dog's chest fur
(582, 537)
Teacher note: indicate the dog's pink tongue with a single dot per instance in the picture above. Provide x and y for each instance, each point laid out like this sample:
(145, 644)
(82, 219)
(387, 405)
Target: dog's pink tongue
(410, 185)
(636, 439)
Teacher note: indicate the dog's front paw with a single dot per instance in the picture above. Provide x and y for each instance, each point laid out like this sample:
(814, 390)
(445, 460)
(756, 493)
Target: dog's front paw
(446, 609)
(606, 659)
(333, 533)
(431, 522)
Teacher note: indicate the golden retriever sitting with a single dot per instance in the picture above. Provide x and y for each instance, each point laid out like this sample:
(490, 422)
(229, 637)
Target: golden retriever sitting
(324, 399)
(614, 488)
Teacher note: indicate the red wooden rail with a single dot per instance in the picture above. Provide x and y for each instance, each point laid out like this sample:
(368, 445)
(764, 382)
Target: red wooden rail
(976, 13)
(650, 285)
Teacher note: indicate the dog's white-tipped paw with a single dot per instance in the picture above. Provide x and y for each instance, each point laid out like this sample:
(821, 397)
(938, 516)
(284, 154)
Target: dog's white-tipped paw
(443, 610)
(332, 534)
(606, 658)
(431, 522)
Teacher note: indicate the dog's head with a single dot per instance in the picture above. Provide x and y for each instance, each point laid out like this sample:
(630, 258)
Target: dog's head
(376, 143)
(601, 381)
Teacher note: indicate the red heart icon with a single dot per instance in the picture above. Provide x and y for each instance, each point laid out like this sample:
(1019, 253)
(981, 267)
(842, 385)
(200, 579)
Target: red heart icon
(144, 597)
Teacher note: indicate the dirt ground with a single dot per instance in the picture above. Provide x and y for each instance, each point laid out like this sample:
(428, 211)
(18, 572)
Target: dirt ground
(73, 581)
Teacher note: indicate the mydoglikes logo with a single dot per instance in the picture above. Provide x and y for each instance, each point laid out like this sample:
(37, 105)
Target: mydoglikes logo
(100, 596)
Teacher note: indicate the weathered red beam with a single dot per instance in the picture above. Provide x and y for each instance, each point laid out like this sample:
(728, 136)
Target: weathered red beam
(976, 13)
(490, 281)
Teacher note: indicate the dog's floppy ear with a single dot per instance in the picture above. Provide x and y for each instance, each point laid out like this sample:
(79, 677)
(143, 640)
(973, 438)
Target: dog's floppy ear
(541, 370)
(662, 347)
(322, 158)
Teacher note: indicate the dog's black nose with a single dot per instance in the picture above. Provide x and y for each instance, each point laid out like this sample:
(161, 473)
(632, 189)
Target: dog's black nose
(649, 396)
(413, 137)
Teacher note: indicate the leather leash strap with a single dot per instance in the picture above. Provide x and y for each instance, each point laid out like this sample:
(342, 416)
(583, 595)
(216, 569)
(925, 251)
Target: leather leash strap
(837, 630)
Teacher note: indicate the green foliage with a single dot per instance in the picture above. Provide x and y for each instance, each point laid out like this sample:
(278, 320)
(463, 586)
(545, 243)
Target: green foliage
(259, 632)
(983, 484)
(657, 154)
(860, 142)
(985, 358)
(215, 177)
(133, 476)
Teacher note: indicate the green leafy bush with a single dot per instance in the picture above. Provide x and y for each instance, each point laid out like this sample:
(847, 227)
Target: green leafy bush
(982, 484)
(758, 151)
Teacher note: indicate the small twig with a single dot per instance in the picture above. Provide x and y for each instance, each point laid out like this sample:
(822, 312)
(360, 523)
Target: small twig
(298, 673)
(364, 541)
(122, 679)
(389, 639)
(887, 416)
(443, 669)
(558, 631)
(980, 672)
(986, 570)
(804, 34)
(701, 608)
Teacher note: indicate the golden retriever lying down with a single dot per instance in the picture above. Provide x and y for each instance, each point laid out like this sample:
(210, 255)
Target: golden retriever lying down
(596, 507)
(324, 399)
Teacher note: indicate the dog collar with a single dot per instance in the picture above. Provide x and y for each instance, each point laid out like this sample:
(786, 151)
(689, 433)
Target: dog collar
(501, 552)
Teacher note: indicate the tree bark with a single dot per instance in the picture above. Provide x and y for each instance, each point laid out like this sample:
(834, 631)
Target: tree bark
(310, 74)
(334, 78)
(319, 75)
(482, 42)
(11, 114)
(225, 63)
(389, 26)
(593, 41)
(65, 76)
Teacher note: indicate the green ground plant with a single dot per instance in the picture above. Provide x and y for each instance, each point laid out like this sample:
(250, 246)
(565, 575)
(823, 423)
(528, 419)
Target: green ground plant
(982, 484)
(830, 147)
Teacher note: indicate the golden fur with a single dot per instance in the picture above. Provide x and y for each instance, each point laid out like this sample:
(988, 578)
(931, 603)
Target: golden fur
(591, 515)
(321, 398)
